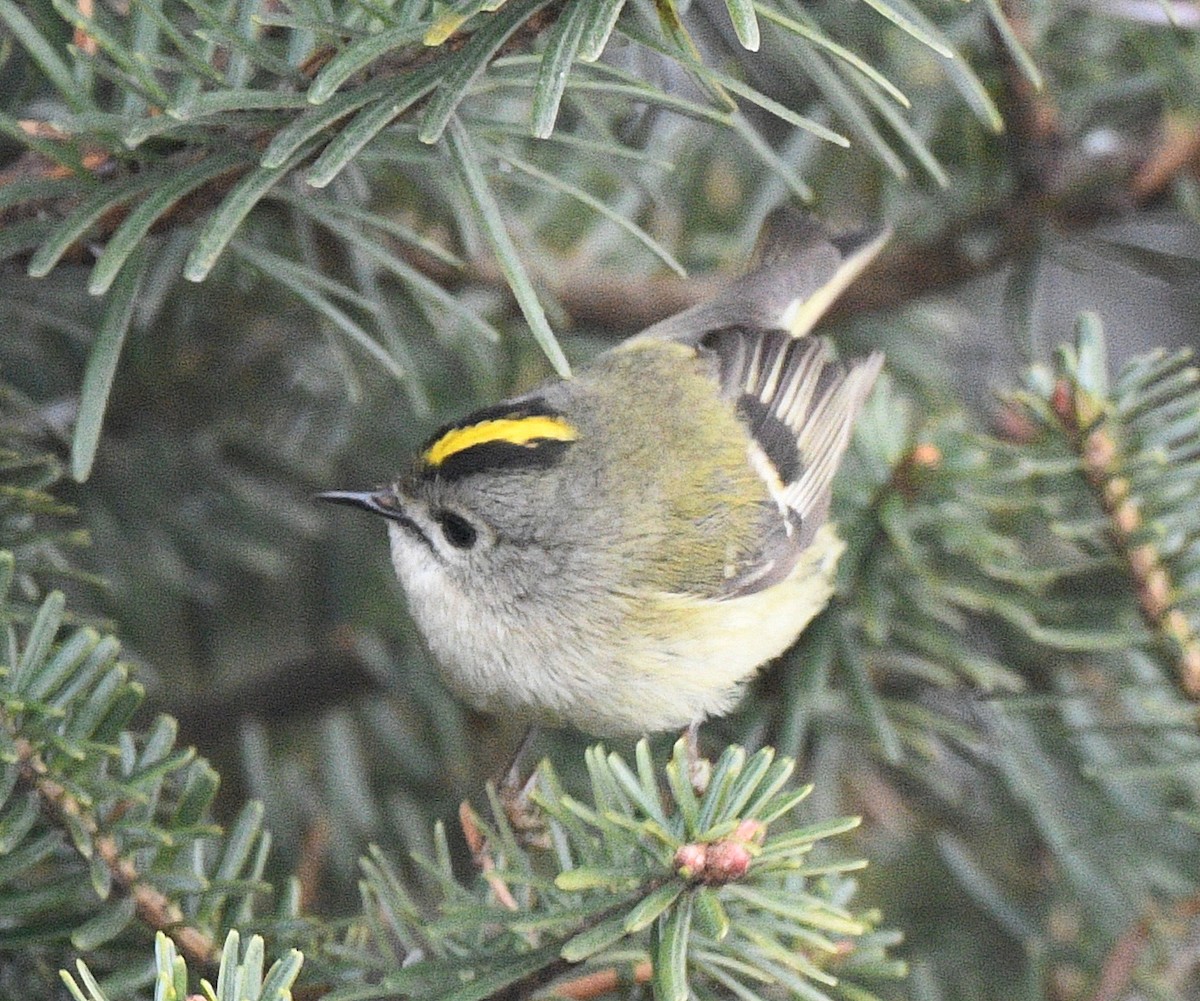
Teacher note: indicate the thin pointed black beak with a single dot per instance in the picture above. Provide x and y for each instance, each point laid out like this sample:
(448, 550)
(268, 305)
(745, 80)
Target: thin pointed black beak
(381, 502)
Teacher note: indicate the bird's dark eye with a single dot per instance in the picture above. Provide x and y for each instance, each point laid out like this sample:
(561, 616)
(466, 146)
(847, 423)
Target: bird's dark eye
(459, 532)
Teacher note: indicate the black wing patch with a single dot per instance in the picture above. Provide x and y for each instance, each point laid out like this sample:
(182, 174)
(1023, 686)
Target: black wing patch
(772, 434)
(799, 406)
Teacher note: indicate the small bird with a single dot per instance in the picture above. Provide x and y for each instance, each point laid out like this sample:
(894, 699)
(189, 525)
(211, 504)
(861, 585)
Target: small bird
(620, 551)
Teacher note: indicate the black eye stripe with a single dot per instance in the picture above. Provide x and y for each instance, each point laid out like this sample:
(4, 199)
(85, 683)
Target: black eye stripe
(502, 456)
(459, 532)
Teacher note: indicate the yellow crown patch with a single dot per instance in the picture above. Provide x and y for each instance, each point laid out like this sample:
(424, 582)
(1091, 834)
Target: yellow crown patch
(526, 431)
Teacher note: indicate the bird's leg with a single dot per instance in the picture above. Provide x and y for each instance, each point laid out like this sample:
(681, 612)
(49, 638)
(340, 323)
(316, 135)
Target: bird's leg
(514, 791)
(512, 784)
(699, 769)
(528, 827)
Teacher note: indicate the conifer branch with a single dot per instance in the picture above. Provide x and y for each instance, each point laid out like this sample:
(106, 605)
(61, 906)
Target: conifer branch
(241, 974)
(101, 164)
(636, 867)
(155, 909)
(1090, 425)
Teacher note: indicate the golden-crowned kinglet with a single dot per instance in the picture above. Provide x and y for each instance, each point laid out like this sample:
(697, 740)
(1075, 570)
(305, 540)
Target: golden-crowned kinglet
(621, 550)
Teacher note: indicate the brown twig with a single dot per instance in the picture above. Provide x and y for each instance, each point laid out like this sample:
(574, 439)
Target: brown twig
(589, 986)
(521, 989)
(913, 467)
(153, 907)
(1178, 152)
(482, 856)
(314, 851)
(1033, 127)
(83, 41)
(1091, 437)
(1122, 960)
(1120, 963)
(601, 982)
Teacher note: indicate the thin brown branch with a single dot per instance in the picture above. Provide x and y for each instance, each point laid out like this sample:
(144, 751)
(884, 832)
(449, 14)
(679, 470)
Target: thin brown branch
(153, 907)
(1033, 127)
(482, 856)
(1178, 152)
(529, 985)
(595, 985)
(1099, 454)
(314, 853)
(83, 41)
(540, 979)
(1123, 958)
(1120, 963)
